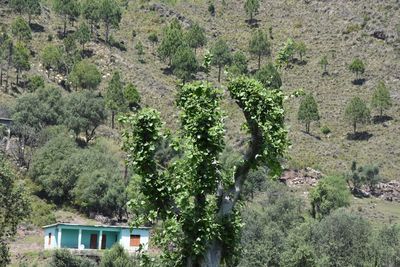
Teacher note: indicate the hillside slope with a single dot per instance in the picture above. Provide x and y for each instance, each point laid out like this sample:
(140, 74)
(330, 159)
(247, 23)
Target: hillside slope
(341, 30)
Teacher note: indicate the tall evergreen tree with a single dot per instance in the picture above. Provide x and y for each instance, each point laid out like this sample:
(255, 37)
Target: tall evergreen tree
(67, 9)
(21, 30)
(172, 39)
(221, 56)
(251, 7)
(111, 15)
(308, 111)
(21, 59)
(115, 100)
(269, 76)
(381, 98)
(184, 63)
(196, 37)
(259, 45)
(357, 112)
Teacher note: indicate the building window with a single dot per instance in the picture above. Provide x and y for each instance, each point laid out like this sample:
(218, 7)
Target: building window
(135, 241)
(49, 239)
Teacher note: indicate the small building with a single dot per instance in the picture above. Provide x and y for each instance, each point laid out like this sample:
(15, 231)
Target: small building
(82, 237)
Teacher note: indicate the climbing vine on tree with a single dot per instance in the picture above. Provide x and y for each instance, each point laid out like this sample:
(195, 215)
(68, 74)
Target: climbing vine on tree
(195, 198)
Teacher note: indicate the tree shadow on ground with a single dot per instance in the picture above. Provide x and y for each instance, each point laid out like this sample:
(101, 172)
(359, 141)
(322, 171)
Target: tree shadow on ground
(299, 62)
(253, 23)
(36, 27)
(312, 135)
(87, 53)
(359, 136)
(167, 70)
(381, 119)
(358, 81)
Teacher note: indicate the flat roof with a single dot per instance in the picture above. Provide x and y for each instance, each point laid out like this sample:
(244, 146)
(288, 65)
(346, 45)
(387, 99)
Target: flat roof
(96, 225)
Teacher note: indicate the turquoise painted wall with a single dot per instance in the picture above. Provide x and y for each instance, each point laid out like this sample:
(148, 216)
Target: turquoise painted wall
(111, 238)
(69, 238)
(86, 237)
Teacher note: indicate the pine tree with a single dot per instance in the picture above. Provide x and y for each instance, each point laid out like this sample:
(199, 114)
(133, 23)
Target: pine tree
(251, 7)
(221, 56)
(115, 100)
(357, 112)
(184, 63)
(259, 45)
(308, 111)
(111, 15)
(196, 37)
(381, 98)
(21, 59)
(21, 30)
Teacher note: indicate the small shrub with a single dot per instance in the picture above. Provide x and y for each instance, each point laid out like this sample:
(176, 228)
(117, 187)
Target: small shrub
(211, 9)
(325, 130)
(64, 258)
(50, 37)
(35, 82)
(352, 28)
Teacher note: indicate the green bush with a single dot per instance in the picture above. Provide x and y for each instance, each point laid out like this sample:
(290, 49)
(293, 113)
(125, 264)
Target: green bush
(325, 130)
(330, 193)
(64, 258)
(117, 257)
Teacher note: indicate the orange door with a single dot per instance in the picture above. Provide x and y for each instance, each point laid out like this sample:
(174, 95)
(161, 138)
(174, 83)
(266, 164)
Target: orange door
(93, 241)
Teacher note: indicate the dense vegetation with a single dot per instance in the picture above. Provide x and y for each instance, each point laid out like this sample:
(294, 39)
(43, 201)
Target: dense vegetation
(83, 78)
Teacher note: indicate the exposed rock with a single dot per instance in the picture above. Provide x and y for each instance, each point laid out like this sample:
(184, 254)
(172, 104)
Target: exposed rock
(307, 176)
(379, 35)
(165, 11)
(388, 191)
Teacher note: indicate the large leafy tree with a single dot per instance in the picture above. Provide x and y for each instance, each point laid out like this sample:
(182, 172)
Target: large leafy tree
(84, 113)
(67, 9)
(115, 100)
(357, 112)
(196, 37)
(111, 15)
(194, 198)
(381, 99)
(251, 7)
(14, 207)
(221, 56)
(308, 111)
(330, 193)
(85, 75)
(259, 45)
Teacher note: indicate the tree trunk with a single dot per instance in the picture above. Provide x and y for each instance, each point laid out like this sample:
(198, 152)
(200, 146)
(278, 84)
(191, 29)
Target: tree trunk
(17, 77)
(213, 255)
(29, 19)
(355, 127)
(112, 119)
(1, 75)
(259, 61)
(219, 73)
(381, 110)
(65, 26)
(107, 31)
